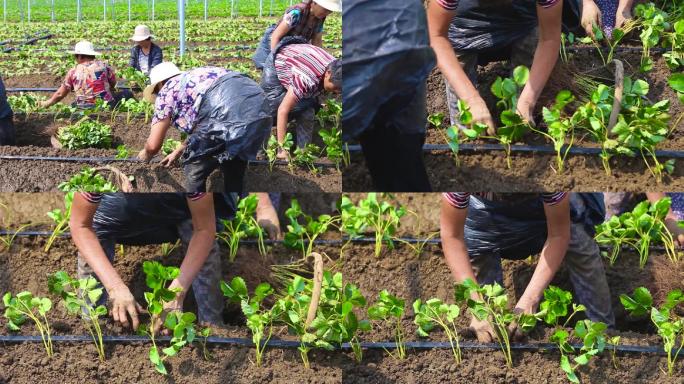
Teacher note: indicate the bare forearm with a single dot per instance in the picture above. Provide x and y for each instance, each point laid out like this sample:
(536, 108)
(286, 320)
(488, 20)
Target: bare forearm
(625, 5)
(551, 258)
(90, 249)
(451, 68)
(545, 58)
(198, 250)
(456, 257)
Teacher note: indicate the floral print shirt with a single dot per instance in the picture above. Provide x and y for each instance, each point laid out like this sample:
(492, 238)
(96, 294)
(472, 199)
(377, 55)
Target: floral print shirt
(181, 96)
(90, 81)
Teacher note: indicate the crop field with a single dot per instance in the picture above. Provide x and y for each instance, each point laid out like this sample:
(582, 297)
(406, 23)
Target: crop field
(32, 71)
(354, 319)
(574, 146)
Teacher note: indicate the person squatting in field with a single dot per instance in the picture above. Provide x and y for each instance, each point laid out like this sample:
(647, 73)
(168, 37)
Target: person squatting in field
(468, 33)
(305, 20)
(618, 203)
(224, 114)
(101, 221)
(479, 230)
(90, 79)
(295, 75)
(145, 54)
(7, 132)
(387, 59)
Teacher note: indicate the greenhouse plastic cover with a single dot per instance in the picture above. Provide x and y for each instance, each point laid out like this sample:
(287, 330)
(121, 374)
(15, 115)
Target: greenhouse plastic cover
(233, 120)
(275, 92)
(386, 58)
(150, 218)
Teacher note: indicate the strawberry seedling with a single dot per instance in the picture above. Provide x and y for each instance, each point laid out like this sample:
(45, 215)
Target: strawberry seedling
(87, 180)
(306, 157)
(594, 117)
(258, 316)
(61, 219)
(243, 225)
(434, 312)
(302, 236)
(273, 147)
(654, 24)
(86, 133)
(169, 146)
(122, 152)
(594, 342)
(666, 318)
(382, 218)
(390, 309)
(507, 91)
(25, 306)
(80, 297)
(559, 125)
(292, 309)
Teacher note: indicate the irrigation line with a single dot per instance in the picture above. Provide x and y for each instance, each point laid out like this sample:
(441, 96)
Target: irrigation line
(291, 344)
(542, 149)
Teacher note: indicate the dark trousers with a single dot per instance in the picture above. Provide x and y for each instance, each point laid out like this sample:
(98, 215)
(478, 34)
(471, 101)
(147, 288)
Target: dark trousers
(7, 132)
(198, 171)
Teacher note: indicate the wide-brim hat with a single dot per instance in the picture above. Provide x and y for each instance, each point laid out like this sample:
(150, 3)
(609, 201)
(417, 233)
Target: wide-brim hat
(162, 71)
(85, 48)
(142, 33)
(330, 5)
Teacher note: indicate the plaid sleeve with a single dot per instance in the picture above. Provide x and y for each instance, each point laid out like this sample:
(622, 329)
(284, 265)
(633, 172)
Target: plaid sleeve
(553, 198)
(459, 200)
(450, 5)
(93, 198)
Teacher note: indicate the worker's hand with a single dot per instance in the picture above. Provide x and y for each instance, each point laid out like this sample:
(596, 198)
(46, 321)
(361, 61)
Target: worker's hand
(123, 306)
(481, 114)
(144, 155)
(515, 333)
(267, 217)
(45, 104)
(675, 230)
(622, 16)
(172, 306)
(173, 156)
(482, 329)
(526, 111)
(591, 15)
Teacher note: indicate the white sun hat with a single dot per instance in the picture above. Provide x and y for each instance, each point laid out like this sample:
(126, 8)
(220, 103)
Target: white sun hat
(142, 32)
(159, 73)
(330, 5)
(84, 47)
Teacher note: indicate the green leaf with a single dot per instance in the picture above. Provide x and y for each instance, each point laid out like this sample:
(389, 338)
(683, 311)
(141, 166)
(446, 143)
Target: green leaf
(521, 75)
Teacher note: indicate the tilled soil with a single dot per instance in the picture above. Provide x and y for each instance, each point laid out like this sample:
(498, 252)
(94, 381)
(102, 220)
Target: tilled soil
(401, 271)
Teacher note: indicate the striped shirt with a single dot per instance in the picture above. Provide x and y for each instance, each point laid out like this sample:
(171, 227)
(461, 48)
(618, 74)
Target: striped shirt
(451, 5)
(461, 200)
(301, 67)
(95, 198)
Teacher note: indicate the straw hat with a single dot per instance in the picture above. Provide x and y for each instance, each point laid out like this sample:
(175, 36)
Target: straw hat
(142, 33)
(84, 48)
(159, 73)
(330, 5)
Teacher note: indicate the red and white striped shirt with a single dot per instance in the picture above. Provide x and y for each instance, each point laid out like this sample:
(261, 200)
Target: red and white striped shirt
(95, 198)
(451, 5)
(461, 200)
(302, 67)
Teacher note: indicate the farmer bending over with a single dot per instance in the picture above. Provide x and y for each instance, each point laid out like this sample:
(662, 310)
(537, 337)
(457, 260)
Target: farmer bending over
(478, 231)
(7, 132)
(99, 222)
(294, 76)
(224, 113)
(90, 80)
(305, 20)
(145, 55)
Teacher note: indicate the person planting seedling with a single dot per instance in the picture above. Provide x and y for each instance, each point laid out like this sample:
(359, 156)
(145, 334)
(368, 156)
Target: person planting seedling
(7, 131)
(145, 55)
(224, 113)
(99, 222)
(478, 231)
(91, 80)
(385, 75)
(295, 74)
(304, 20)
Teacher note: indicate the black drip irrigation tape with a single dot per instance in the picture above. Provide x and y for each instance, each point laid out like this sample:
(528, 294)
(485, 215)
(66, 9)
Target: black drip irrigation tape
(134, 160)
(543, 149)
(290, 344)
(617, 49)
(30, 89)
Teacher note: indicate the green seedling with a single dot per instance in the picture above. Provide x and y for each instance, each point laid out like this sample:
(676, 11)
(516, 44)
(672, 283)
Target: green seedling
(259, 318)
(568, 39)
(167, 248)
(134, 107)
(670, 325)
(80, 298)
(676, 81)
(243, 225)
(674, 39)
(555, 307)
(8, 239)
(122, 152)
(61, 219)
(638, 229)
(559, 126)
(306, 157)
(86, 133)
(205, 333)
(507, 90)
(490, 303)
(169, 146)
(594, 116)
(469, 129)
(330, 115)
(273, 147)
(370, 214)
(181, 325)
(434, 312)
(302, 236)
(654, 23)
(390, 309)
(135, 78)
(594, 342)
(292, 309)
(25, 306)
(87, 180)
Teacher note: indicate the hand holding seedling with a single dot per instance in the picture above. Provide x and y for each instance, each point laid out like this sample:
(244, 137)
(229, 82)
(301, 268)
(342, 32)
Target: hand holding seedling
(123, 306)
(171, 158)
(144, 155)
(267, 217)
(480, 112)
